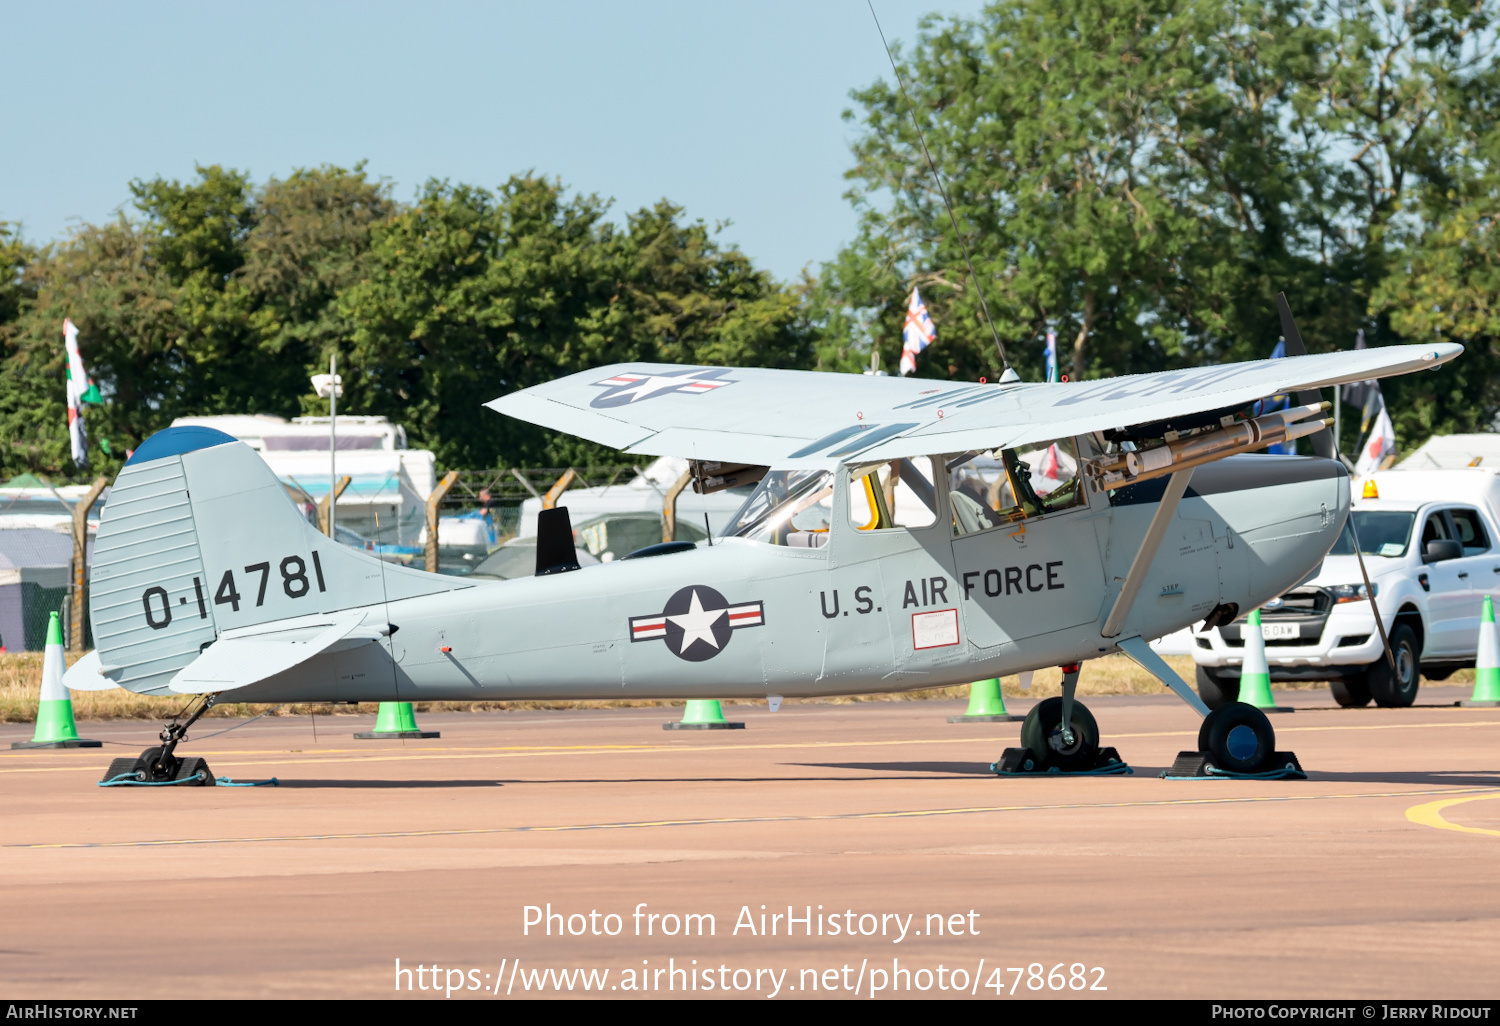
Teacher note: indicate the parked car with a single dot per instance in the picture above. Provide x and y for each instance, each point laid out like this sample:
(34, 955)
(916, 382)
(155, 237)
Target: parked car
(1431, 542)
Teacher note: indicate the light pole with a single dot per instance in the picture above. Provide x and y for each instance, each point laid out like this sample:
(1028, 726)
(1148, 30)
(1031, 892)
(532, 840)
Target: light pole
(330, 386)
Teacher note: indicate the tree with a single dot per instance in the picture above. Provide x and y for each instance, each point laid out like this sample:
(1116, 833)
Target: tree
(469, 295)
(1109, 163)
(1144, 176)
(215, 298)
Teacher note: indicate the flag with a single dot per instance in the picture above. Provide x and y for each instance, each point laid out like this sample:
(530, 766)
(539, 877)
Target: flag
(80, 390)
(918, 334)
(1051, 355)
(1049, 468)
(1357, 393)
(1380, 444)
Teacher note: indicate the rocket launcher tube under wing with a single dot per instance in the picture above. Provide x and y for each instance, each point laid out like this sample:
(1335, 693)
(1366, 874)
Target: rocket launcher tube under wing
(1120, 469)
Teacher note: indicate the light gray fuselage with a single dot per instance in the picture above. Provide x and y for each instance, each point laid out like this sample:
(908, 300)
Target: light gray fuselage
(840, 619)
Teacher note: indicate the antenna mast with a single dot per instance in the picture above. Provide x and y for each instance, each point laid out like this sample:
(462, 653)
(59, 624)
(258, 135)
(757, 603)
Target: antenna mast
(1010, 374)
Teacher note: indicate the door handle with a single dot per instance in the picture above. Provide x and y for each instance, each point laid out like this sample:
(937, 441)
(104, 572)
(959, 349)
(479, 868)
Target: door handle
(1464, 574)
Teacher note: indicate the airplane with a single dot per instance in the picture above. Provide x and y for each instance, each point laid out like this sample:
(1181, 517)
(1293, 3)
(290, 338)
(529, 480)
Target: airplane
(1039, 524)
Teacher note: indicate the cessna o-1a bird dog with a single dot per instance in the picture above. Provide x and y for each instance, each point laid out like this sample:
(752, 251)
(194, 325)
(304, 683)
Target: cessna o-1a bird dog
(1050, 524)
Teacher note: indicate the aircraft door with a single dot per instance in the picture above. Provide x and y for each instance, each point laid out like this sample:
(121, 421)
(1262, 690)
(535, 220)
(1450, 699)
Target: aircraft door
(1026, 547)
(893, 593)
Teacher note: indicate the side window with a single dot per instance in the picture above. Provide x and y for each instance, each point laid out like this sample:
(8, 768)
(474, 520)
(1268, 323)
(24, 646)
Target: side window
(1436, 529)
(997, 487)
(1470, 530)
(895, 494)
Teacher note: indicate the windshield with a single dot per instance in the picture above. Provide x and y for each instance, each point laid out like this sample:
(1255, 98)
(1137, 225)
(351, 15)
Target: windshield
(1381, 533)
(788, 507)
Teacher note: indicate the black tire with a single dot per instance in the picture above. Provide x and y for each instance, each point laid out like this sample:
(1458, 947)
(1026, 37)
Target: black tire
(151, 756)
(1438, 674)
(195, 765)
(1216, 689)
(1238, 738)
(1351, 692)
(1040, 733)
(1399, 689)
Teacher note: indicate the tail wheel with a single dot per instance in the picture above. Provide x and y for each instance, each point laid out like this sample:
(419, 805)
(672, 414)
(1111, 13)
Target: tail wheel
(1216, 690)
(1042, 734)
(1351, 692)
(1238, 738)
(1398, 689)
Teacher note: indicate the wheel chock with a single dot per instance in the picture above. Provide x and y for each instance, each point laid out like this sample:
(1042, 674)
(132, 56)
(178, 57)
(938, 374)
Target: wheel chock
(1020, 762)
(1199, 766)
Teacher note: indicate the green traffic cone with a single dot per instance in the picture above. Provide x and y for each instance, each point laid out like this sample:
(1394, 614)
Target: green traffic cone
(396, 720)
(703, 714)
(986, 704)
(1487, 661)
(54, 713)
(1255, 672)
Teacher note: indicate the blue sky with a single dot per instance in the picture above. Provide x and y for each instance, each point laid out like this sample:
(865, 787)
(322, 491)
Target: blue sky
(728, 108)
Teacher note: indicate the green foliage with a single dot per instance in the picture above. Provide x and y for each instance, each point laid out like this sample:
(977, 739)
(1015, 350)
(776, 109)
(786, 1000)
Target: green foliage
(470, 294)
(1143, 176)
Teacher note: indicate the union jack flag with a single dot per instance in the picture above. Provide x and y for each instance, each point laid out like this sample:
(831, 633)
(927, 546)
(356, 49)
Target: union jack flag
(918, 334)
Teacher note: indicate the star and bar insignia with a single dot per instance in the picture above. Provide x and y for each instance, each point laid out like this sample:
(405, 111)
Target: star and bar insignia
(697, 623)
(624, 389)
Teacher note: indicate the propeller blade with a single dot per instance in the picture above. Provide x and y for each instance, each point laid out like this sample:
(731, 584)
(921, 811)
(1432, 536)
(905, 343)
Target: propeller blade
(1322, 442)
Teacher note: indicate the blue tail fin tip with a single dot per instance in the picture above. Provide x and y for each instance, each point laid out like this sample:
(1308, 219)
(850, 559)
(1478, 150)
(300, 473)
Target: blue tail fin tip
(174, 441)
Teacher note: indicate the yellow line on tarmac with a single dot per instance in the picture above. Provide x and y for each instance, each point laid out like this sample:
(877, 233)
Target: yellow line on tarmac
(1431, 815)
(735, 820)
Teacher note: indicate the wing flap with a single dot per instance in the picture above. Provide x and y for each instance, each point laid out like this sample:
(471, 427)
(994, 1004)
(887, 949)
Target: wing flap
(777, 417)
(244, 657)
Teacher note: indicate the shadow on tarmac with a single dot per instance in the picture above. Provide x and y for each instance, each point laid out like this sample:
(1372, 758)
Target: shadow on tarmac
(303, 783)
(963, 768)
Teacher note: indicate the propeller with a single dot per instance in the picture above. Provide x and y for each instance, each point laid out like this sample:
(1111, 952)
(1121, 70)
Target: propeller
(1323, 442)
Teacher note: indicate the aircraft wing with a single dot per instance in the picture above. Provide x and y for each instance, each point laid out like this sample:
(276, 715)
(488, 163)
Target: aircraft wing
(764, 416)
(251, 654)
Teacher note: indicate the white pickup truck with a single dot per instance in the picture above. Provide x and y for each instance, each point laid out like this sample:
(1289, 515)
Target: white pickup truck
(1431, 542)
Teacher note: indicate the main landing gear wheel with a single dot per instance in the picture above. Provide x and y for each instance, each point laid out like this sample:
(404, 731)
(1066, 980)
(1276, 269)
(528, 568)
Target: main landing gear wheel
(1216, 689)
(1238, 738)
(1399, 689)
(1043, 736)
(1351, 693)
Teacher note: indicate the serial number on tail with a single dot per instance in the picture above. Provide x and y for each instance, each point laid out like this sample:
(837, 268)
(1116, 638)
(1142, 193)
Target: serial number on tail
(295, 584)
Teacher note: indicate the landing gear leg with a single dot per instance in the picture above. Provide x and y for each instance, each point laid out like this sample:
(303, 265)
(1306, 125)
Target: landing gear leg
(1235, 740)
(160, 764)
(1069, 691)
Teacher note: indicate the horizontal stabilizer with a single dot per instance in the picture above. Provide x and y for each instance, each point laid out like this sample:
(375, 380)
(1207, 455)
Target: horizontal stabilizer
(88, 675)
(252, 654)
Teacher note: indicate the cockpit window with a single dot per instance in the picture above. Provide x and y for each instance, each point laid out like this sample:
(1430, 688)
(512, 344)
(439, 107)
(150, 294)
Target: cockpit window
(997, 487)
(788, 507)
(894, 494)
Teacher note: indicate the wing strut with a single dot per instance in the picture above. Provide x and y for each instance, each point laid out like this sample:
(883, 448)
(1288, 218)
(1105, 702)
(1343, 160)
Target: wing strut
(1137, 649)
(1165, 510)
